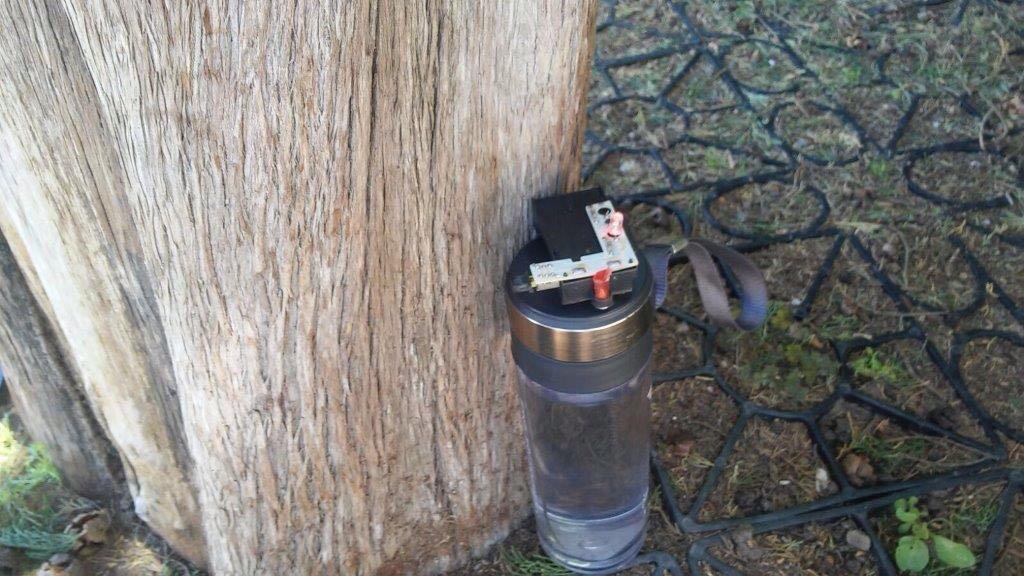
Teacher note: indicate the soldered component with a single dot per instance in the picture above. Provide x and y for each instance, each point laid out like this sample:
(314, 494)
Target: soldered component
(586, 234)
(616, 252)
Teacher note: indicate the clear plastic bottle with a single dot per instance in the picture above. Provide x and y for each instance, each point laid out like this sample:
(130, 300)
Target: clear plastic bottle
(584, 385)
(589, 470)
(581, 305)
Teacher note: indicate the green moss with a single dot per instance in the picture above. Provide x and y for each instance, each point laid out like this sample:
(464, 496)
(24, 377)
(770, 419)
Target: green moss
(789, 357)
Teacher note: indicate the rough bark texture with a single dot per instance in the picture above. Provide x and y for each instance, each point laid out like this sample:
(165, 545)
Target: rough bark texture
(46, 391)
(67, 213)
(271, 236)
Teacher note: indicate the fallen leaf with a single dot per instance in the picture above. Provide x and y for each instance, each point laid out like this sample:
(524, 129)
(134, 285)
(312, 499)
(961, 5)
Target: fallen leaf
(858, 467)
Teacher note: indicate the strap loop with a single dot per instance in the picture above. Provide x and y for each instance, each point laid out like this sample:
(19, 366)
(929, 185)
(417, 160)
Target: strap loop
(753, 291)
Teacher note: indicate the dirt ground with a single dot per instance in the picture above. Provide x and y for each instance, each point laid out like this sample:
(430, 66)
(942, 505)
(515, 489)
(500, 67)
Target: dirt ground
(868, 156)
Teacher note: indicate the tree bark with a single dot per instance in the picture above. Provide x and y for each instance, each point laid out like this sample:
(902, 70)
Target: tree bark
(46, 391)
(268, 240)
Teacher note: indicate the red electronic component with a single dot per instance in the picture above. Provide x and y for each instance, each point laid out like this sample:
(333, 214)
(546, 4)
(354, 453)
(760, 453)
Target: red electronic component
(603, 284)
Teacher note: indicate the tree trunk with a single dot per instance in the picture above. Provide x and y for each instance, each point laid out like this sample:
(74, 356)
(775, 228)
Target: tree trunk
(260, 248)
(48, 394)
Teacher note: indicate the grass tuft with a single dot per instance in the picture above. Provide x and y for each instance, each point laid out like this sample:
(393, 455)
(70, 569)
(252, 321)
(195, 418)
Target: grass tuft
(887, 453)
(518, 564)
(30, 489)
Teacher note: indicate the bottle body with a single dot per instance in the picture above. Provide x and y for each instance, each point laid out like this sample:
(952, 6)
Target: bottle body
(589, 469)
(584, 385)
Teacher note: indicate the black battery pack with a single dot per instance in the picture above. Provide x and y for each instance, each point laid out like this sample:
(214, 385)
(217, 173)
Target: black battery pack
(563, 223)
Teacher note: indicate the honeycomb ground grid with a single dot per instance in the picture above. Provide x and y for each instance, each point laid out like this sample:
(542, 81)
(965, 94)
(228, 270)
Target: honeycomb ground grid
(770, 124)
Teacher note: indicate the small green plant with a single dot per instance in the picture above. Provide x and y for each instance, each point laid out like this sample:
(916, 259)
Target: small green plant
(852, 74)
(875, 366)
(878, 167)
(519, 564)
(789, 357)
(779, 318)
(913, 553)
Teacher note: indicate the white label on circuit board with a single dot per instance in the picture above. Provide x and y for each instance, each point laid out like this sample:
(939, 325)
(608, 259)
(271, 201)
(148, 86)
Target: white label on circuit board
(616, 253)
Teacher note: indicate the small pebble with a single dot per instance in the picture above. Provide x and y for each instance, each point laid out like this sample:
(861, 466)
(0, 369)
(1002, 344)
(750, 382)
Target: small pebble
(62, 559)
(858, 540)
(821, 480)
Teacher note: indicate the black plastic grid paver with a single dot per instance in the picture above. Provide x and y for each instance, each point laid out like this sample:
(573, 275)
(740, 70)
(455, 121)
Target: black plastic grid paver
(780, 160)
